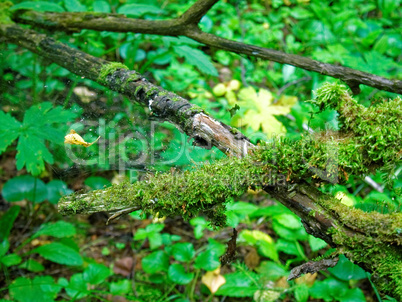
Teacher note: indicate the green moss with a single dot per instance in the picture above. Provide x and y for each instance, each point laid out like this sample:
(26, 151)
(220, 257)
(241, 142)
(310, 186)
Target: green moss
(109, 69)
(234, 131)
(376, 131)
(150, 92)
(5, 14)
(164, 93)
(383, 260)
(196, 109)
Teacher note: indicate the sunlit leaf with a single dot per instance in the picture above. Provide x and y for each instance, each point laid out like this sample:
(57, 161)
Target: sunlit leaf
(262, 110)
(213, 280)
(73, 138)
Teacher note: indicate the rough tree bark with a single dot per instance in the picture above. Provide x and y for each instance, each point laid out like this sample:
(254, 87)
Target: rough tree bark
(372, 240)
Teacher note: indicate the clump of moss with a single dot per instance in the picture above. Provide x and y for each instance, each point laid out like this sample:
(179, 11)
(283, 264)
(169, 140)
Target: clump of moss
(5, 14)
(109, 69)
(376, 130)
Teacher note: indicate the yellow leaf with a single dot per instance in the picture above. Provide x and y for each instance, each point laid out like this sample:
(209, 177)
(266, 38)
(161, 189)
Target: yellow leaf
(213, 280)
(75, 139)
(287, 100)
(255, 236)
(262, 111)
(231, 97)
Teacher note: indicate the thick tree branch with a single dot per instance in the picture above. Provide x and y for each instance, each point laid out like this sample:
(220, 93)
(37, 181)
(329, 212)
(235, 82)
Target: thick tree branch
(197, 11)
(191, 119)
(370, 239)
(186, 26)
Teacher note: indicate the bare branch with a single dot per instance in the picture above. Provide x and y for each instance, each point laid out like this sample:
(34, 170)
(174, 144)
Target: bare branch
(312, 267)
(351, 77)
(186, 26)
(197, 11)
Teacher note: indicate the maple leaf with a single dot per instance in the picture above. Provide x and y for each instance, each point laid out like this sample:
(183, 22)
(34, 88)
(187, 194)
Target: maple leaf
(38, 125)
(262, 111)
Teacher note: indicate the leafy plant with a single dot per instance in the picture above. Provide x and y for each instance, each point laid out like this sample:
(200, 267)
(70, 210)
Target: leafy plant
(33, 189)
(39, 125)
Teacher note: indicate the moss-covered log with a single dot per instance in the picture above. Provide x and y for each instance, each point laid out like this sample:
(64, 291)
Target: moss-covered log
(372, 240)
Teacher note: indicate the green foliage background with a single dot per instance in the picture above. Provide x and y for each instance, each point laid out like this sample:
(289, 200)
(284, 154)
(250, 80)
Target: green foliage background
(40, 102)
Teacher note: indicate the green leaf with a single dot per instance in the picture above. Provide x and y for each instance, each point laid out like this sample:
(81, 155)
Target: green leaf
(9, 130)
(74, 6)
(290, 247)
(183, 251)
(59, 253)
(7, 220)
(102, 7)
(354, 295)
(97, 182)
(96, 273)
(40, 289)
(45, 114)
(301, 293)
(216, 247)
(168, 239)
(329, 289)
(76, 288)
(178, 274)
(155, 262)
(207, 260)
(120, 287)
(137, 10)
(268, 250)
(24, 187)
(32, 265)
(346, 270)
(4, 246)
(57, 229)
(239, 284)
(197, 58)
(289, 221)
(37, 127)
(152, 233)
(32, 153)
(56, 189)
(200, 224)
(271, 270)
(40, 6)
(300, 13)
(242, 208)
(289, 234)
(316, 244)
(11, 259)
